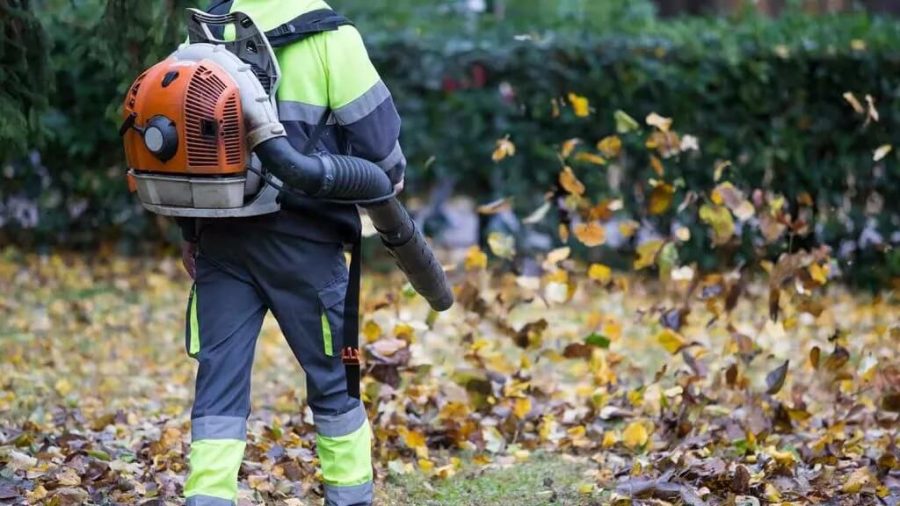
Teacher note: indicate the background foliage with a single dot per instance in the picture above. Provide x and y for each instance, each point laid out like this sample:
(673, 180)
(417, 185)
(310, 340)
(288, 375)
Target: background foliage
(764, 94)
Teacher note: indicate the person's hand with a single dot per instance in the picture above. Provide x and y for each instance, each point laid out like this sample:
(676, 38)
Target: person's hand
(399, 186)
(188, 258)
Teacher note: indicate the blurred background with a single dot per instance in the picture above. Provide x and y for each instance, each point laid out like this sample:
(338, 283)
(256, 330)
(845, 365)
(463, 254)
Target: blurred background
(760, 83)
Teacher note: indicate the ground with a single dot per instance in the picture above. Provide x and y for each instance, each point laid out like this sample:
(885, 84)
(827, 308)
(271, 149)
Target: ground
(582, 386)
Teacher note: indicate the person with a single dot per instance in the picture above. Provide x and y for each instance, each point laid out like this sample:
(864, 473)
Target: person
(291, 263)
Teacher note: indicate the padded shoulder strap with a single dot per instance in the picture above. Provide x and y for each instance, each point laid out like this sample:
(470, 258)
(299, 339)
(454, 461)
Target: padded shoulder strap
(297, 29)
(306, 25)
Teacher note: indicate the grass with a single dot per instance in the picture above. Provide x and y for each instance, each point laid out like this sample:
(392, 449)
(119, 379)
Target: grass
(544, 479)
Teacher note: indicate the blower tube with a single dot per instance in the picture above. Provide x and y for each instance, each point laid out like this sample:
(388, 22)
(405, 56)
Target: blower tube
(357, 181)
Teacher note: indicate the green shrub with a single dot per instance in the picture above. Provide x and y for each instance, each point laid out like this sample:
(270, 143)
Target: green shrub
(764, 94)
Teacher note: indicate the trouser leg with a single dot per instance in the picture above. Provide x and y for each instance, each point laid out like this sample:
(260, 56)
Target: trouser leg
(225, 315)
(306, 296)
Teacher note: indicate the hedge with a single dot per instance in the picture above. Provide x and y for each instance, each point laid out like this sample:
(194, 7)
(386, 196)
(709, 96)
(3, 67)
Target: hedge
(764, 94)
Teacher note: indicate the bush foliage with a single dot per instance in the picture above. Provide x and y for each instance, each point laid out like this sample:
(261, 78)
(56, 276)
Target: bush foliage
(765, 95)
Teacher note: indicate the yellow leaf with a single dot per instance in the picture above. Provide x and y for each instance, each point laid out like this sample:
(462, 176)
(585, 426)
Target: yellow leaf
(590, 234)
(683, 234)
(720, 169)
(661, 198)
(647, 254)
(538, 214)
(580, 105)
(882, 152)
(625, 123)
(568, 147)
(635, 435)
(868, 368)
(818, 273)
(371, 331)
(657, 165)
(502, 245)
(721, 221)
(660, 122)
(475, 259)
(610, 146)
(628, 228)
(570, 182)
(522, 407)
(585, 489)
(503, 149)
(584, 156)
(858, 45)
(600, 272)
(670, 340)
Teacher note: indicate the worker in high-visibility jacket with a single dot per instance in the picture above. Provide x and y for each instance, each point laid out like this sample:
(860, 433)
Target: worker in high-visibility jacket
(291, 262)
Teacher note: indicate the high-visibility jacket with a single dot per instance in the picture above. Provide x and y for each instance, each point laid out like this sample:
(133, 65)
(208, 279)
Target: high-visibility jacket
(328, 73)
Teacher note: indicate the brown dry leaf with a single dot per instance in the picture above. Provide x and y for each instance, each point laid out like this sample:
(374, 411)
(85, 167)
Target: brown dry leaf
(569, 181)
(657, 166)
(590, 234)
(851, 99)
(584, 156)
(775, 379)
(568, 147)
(661, 199)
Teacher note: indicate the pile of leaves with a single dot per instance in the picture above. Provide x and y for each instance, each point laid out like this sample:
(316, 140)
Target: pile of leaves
(684, 391)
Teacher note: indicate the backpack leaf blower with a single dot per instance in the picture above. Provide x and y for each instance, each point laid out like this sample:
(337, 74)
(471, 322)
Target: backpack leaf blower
(202, 139)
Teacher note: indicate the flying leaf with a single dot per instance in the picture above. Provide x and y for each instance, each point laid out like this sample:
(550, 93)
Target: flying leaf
(647, 254)
(475, 259)
(720, 169)
(660, 122)
(503, 149)
(882, 152)
(719, 218)
(502, 245)
(568, 147)
(600, 272)
(537, 215)
(584, 156)
(775, 379)
(871, 111)
(661, 199)
(610, 146)
(657, 166)
(556, 256)
(851, 99)
(625, 123)
(495, 207)
(590, 234)
(580, 105)
(569, 181)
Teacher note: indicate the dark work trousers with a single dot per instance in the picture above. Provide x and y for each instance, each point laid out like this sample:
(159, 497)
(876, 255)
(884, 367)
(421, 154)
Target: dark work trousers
(243, 272)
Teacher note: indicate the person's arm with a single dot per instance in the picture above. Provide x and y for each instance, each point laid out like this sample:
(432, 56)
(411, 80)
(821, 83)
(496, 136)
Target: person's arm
(362, 104)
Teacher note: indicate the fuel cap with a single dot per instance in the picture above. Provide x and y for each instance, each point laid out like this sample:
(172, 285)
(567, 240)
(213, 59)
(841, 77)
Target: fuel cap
(161, 137)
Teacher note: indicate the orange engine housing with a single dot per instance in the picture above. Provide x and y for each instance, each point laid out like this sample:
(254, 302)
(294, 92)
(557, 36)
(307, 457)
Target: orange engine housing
(204, 104)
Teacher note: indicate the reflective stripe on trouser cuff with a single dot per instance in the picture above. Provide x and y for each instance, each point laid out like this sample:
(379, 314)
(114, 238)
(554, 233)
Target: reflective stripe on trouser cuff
(346, 458)
(195, 324)
(219, 427)
(214, 465)
(340, 425)
(205, 500)
(356, 495)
